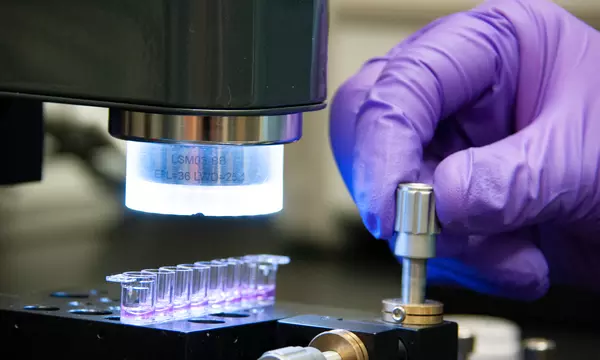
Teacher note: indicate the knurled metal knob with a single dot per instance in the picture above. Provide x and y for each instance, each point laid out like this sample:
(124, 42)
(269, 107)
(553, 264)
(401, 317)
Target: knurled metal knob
(416, 222)
(294, 353)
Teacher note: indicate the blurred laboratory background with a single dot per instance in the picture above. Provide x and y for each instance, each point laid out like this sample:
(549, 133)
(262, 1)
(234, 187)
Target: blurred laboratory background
(72, 229)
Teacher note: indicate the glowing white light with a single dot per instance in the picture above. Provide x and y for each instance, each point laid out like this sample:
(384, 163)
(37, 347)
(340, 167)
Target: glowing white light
(209, 180)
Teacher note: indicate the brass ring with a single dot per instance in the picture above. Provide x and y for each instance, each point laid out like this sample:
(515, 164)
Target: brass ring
(345, 343)
(429, 313)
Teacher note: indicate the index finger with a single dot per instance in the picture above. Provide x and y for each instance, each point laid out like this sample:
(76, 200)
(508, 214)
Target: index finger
(446, 68)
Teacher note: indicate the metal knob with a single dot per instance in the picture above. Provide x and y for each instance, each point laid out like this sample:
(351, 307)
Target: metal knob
(416, 223)
(329, 345)
(416, 228)
(299, 353)
(539, 349)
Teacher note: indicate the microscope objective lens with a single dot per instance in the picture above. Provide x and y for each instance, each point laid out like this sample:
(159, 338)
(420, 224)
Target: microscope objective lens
(201, 288)
(212, 180)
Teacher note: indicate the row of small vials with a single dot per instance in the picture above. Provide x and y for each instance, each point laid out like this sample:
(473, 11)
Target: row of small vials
(196, 289)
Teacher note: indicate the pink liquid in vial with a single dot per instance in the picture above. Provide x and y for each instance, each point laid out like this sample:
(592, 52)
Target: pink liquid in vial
(137, 313)
(197, 303)
(163, 306)
(216, 298)
(247, 293)
(216, 303)
(199, 307)
(248, 296)
(234, 300)
(163, 311)
(233, 296)
(265, 293)
(180, 305)
(180, 310)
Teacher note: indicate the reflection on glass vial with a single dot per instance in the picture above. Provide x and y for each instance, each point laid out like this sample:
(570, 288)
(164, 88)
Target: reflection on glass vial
(199, 283)
(265, 282)
(164, 285)
(137, 296)
(216, 287)
(181, 286)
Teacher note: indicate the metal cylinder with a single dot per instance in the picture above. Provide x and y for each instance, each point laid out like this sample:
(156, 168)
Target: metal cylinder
(416, 224)
(416, 228)
(414, 274)
(296, 353)
(539, 349)
(329, 345)
(300, 353)
(190, 129)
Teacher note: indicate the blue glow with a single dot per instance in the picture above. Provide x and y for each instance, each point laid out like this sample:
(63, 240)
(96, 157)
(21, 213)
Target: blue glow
(211, 180)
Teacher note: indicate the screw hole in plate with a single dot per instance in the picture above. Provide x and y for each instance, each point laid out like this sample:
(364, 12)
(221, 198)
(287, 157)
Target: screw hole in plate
(231, 315)
(41, 308)
(206, 321)
(90, 312)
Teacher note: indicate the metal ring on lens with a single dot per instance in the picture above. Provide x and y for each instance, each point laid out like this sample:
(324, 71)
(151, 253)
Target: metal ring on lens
(196, 129)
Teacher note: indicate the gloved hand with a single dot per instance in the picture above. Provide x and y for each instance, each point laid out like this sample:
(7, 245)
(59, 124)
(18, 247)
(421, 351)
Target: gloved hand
(498, 108)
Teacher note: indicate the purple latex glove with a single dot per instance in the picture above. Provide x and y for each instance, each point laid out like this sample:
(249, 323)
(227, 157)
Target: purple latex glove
(499, 108)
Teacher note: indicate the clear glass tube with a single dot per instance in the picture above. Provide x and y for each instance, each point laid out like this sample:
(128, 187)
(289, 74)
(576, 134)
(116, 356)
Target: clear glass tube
(232, 280)
(181, 286)
(185, 290)
(248, 279)
(267, 275)
(164, 289)
(199, 284)
(265, 282)
(216, 289)
(273, 259)
(138, 295)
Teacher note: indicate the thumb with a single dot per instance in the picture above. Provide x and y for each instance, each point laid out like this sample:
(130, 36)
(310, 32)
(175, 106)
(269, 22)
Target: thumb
(521, 180)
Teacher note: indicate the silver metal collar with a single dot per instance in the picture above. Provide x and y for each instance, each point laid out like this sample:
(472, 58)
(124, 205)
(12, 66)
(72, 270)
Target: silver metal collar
(196, 129)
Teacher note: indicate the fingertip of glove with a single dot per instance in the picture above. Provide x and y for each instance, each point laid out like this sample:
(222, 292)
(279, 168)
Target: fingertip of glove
(372, 223)
(344, 107)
